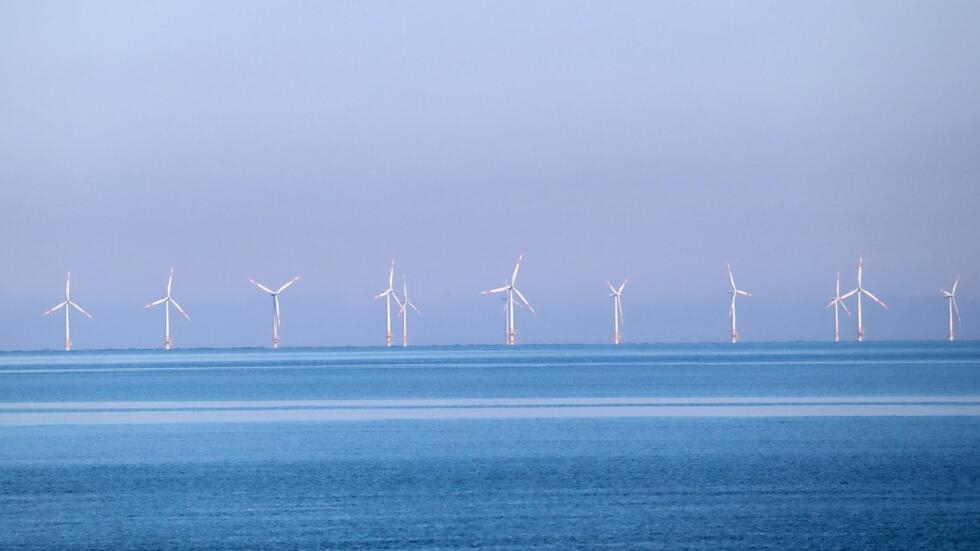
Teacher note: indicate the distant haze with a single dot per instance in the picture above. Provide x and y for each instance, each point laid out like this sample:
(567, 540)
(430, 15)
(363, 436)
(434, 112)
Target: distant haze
(651, 140)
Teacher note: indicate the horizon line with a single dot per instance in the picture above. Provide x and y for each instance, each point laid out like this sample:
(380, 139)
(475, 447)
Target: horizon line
(724, 343)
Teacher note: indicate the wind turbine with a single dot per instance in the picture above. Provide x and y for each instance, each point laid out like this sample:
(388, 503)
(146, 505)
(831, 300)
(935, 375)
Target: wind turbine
(838, 301)
(276, 319)
(66, 305)
(388, 294)
(862, 291)
(167, 301)
(403, 311)
(731, 311)
(951, 298)
(617, 295)
(511, 290)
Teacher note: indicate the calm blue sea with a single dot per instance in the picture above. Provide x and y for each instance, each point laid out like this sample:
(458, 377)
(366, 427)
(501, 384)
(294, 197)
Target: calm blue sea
(780, 446)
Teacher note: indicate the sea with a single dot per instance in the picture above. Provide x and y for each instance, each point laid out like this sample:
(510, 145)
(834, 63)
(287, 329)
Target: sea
(660, 446)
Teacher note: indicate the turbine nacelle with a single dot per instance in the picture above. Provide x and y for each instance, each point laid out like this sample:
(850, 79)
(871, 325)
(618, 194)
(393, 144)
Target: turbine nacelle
(952, 292)
(617, 291)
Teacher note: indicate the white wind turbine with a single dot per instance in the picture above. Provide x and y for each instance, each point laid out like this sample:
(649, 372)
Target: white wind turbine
(734, 292)
(403, 311)
(167, 301)
(68, 302)
(617, 296)
(838, 302)
(510, 337)
(276, 319)
(862, 291)
(951, 298)
(388, 294)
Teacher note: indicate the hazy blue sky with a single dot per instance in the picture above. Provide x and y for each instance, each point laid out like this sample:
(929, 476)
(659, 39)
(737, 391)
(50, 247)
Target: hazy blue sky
(603, 140)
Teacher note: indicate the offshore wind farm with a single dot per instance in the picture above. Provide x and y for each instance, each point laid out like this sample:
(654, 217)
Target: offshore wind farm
(698, 171)
(510, 291)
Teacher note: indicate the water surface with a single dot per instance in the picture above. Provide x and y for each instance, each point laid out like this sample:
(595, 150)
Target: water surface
(654, 446)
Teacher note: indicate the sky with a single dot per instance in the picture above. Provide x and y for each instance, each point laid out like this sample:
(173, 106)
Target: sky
(651, 140)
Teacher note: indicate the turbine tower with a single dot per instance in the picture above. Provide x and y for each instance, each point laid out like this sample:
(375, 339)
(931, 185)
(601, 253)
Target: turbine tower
(838, 302)
(68, 302)
(862, 291)
(276, 319)
(510, 336)
(403, 311)
(167, 301)
(388, 294)
(951, 299)
(617, 295)
(731, 311)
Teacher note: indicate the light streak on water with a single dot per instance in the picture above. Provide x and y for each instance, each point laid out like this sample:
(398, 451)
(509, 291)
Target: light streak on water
(276, 411)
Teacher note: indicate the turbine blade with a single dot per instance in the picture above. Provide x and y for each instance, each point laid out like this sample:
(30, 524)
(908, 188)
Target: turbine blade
(731, 308)
(414, 307)
(625, 281)
(288, 283)
(391, 274)
(497, 290)
(518, 293)
(844, 306)
(79, 308)
(55, 308)
(956, 308)
(741, 292)
(848, 294)
(874, 298)
(611, 288)
(156, 302)
(397, 301)
(955, 283)
(68, 287)
(170, 281)
(179, 309)
(730, 276)
(517, 267)
(260, 286)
